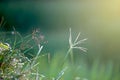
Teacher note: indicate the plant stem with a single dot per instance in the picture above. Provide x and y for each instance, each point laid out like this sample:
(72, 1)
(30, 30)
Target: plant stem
(71, 56)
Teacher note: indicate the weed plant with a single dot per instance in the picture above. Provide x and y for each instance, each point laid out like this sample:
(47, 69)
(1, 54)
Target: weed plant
(17, 61)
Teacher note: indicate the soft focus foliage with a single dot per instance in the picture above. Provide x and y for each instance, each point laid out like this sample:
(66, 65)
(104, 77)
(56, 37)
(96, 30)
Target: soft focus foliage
(16, 66)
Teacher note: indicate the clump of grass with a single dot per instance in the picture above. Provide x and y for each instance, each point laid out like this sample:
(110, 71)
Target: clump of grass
(14, 64)
(17, 61)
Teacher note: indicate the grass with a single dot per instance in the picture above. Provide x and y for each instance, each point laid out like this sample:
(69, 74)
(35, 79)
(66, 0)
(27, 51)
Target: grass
(23, 60)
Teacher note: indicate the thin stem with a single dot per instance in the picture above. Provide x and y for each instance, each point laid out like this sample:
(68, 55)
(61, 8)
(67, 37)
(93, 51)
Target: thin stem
(77, 37)
(71, 56)
(81, 48)
(79, 42)
(67, 53)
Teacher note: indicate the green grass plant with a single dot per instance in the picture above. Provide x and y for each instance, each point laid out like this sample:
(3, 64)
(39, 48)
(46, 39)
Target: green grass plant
(21, 59)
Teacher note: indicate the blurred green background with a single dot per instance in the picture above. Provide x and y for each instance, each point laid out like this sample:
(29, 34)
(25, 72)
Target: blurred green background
(97, 20)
